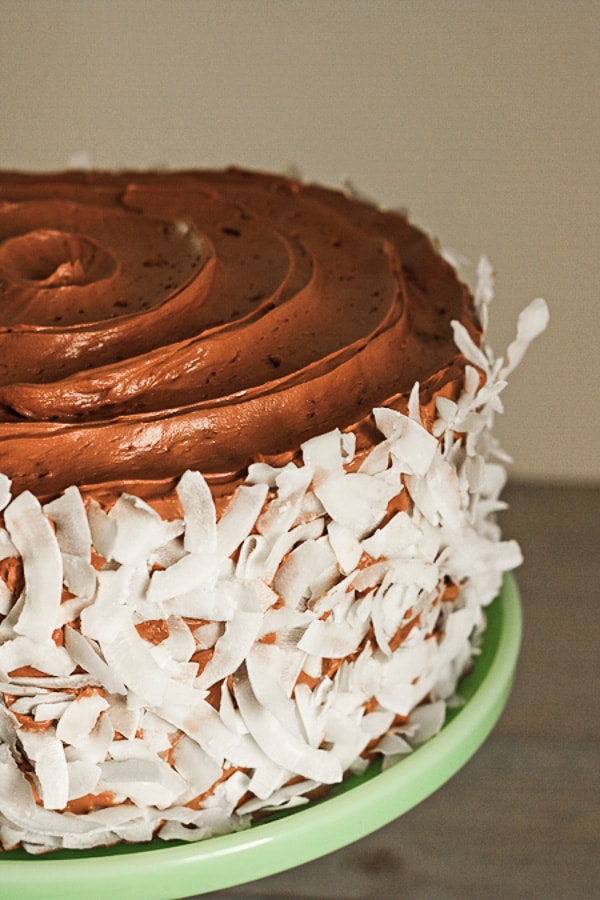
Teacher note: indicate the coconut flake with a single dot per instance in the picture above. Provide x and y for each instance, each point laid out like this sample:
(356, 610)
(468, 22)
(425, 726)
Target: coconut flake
(323, 454)
(199, 513)
(415, 448)
(195, 570)
(131, 660)
(32, 535)
(6, 598)
(46, 753)
(284, 798)
(232, 648)
(252, 556)
(138, 531)
(238, 519)
(46, 712)
(145, 781)
(414, 406)
(84, 653)
(356, 501)
(308, 564)
(102, 529)
(94, 747)
(285, 748)
(72, 527)
(393, 748)
(283, 510)
(333, 639)
(283, 544)
(217, 604)
(22, 651)
(197, 768)
(532, 321)
(5, 486)
(468, 347)
(266, 781)
(427, 720)
(107, 616)
(79, 577)
(79, 719)
(264, 664)
(83, 778)
(7, 548)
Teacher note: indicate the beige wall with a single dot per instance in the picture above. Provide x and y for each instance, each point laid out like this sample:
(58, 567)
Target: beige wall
(480, 117)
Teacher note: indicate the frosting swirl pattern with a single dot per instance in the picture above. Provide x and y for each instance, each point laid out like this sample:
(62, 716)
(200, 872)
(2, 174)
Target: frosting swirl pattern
(155, 322)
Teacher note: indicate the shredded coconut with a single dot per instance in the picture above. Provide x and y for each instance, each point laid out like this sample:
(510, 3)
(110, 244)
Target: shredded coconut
(216, 666)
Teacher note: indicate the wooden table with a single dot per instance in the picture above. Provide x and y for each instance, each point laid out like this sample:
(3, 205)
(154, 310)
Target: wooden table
(522, 818)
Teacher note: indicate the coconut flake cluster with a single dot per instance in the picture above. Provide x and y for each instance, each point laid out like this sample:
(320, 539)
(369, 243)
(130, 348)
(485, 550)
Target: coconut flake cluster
(174, 678)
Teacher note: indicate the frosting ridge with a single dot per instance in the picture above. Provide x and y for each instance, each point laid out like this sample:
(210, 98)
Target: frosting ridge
(205, 320)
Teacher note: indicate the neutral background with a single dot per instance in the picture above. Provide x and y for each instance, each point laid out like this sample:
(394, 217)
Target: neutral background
(480, 118)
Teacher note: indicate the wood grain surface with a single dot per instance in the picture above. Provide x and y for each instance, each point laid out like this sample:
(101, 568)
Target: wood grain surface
(522, 818)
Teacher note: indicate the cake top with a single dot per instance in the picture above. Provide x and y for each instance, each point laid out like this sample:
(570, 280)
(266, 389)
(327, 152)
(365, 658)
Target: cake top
(159, 321)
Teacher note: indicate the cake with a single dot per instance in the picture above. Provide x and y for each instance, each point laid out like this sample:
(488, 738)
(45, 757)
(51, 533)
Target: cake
(248, 497)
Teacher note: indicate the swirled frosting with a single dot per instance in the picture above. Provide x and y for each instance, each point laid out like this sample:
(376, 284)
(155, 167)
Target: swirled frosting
(156, 322)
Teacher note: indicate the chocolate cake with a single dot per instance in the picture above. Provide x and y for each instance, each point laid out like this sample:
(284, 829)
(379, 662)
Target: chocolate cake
(248, 497)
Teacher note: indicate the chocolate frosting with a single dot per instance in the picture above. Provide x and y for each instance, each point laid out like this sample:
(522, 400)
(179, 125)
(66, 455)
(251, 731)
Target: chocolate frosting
(154, 322)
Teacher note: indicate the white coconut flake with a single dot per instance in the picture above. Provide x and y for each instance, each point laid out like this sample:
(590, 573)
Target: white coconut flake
(252, 556)
(414, 406)
(469, 348)
(324, 455)
(34, 538)
(283, 544)
(108, 615)
(5, 495)
(72, 527)
(7, 548)
(232, 648)
(50, 766)
(47, 657)
(415, 448)
(284, 798)
(139, 530)
(266, 781)
(85, 653)
(79, 719)
(94, 748)
(79, 577)
(195, 570)
(285, 748)
(102, 528)
(356, 501)
(206, 636)
(330, 639)
(46, 712)
(83, 778)
(532, 321)
(145, 781)
(6, 598)
(239, 517)
(284, 509)
(199, 513)
(308, 563)
(217, 604)
(197, 768)
(427, 720)
(264, 664)
(130, 658)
